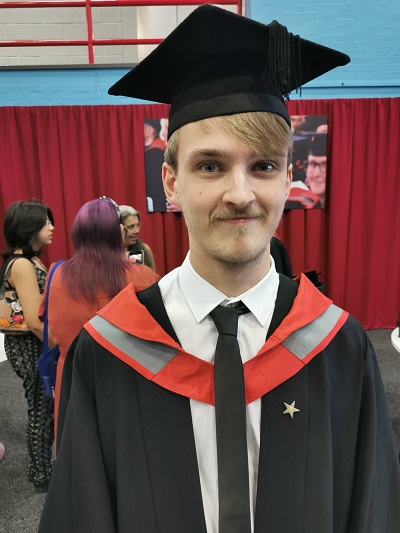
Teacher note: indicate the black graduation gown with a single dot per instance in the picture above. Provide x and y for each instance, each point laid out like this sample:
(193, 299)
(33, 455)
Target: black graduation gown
(127, 459)
(281, 257)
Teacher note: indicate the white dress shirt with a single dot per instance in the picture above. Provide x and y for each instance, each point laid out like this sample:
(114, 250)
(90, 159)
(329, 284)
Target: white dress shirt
(189, 299)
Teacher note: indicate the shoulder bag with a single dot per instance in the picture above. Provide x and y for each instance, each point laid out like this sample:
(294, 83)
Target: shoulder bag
(47, 363)
(12, 320)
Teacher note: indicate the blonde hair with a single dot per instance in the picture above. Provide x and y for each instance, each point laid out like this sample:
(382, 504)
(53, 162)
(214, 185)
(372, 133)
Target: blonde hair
(264, 133)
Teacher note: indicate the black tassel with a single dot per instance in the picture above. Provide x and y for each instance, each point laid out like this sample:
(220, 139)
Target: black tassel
(282, 69)
(296, 58)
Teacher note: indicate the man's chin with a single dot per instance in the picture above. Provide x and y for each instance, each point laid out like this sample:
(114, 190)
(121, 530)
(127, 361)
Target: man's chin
(240, 256)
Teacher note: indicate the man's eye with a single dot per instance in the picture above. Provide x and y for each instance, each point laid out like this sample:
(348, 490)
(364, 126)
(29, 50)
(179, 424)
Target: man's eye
(209, 167)
(264, 167)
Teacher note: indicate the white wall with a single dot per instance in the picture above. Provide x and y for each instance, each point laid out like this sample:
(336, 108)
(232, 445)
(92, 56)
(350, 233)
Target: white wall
(66, 23)
(69, 23)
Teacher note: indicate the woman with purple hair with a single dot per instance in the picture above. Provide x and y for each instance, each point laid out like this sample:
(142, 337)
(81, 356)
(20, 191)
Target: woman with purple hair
(98, 271)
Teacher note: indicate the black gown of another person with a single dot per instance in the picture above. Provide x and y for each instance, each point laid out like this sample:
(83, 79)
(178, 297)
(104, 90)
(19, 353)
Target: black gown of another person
(127, 459)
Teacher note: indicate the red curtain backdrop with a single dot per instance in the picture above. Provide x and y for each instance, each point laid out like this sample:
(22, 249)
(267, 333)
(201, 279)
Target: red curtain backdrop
(67, 155)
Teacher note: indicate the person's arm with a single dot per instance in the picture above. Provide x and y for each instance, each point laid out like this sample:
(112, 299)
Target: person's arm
(150, 257)
(23, 279)
(173, 208)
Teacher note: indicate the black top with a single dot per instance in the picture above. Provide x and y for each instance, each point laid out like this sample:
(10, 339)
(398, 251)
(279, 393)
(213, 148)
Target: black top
(281, 257)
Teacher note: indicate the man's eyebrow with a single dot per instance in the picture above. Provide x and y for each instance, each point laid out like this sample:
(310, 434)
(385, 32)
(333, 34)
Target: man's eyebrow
(207, 152)
(214, 153)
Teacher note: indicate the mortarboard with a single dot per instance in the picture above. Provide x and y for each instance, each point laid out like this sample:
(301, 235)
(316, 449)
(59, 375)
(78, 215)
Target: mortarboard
(317, 145)
(219, 63)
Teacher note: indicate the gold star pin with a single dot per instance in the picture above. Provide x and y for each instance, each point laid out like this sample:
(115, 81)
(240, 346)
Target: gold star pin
(290, 409)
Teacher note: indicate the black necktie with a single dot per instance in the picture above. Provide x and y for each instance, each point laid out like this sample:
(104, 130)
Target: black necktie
(230, 416)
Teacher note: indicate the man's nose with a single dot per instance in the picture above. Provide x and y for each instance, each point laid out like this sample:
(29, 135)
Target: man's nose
(239, 190)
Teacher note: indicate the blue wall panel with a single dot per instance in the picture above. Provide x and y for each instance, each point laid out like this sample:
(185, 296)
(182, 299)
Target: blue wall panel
(60, 87)
(368, 31)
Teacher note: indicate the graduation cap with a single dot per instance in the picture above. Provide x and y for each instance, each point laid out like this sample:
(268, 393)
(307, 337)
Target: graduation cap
(317, 145)
(218, 63)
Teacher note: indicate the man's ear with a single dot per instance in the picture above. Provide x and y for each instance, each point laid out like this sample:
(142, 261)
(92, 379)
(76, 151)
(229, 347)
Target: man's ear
(289, 179)
(170, 184)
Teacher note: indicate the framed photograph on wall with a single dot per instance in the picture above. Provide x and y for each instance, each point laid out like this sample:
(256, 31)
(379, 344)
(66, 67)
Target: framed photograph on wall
(310, 133)
(155, 141)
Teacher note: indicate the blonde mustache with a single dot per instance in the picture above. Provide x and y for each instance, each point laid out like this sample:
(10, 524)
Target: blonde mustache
(249, 212)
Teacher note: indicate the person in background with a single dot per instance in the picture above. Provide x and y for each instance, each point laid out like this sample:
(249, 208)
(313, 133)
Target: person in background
(297, 121)
(2, 451)
(311, 194)
(322, 128)
(316, 167)
(299, 158)
(98, 270)
(164, 131)
(152, 129)
(132, 244)
(173, 208)
(153, 158)
(235, 400)
(28, 227)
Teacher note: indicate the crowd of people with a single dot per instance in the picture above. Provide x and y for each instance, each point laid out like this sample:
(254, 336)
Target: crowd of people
(99, 269)
(224, 397)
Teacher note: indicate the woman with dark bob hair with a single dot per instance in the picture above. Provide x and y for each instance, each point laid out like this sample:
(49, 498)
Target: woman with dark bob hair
(98, 271)
(28, 226)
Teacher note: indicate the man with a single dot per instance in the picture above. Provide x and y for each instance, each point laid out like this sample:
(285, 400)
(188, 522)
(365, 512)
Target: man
(316, 167)
(157, 434)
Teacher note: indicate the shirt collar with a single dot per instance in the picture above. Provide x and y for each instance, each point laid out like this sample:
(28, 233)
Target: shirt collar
(202, 297)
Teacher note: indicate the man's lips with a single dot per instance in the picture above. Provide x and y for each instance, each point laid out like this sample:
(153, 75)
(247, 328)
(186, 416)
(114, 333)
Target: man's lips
(238, 219)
